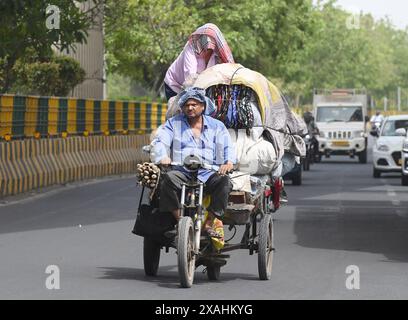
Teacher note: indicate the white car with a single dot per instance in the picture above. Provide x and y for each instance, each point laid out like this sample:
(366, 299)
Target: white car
(404, 176)
(387, 149)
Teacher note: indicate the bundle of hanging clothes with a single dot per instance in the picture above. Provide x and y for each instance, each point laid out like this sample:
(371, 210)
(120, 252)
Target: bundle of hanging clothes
(263, 129)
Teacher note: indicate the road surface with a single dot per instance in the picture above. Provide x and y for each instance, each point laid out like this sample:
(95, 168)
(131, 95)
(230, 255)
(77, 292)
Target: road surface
(343, 235)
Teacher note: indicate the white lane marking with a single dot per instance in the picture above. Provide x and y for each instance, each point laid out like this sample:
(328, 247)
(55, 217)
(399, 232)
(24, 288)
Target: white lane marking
(396, 202)
(391, 193)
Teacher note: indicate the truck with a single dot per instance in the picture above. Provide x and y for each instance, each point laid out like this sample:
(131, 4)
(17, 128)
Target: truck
(341, 117)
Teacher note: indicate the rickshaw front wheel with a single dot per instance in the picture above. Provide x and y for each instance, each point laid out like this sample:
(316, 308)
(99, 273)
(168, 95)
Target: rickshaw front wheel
(265, 247)
(185, 252)
(151, 256)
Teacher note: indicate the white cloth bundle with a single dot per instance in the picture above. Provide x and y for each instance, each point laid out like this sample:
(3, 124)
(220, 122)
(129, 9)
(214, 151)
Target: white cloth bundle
(241, 181)
(255, 155)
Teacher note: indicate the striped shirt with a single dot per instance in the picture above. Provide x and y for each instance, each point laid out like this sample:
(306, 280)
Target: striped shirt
(175, 140)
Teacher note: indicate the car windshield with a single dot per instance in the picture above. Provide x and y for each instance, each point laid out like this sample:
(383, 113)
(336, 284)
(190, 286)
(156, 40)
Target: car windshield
(346, 114)
(390, 126)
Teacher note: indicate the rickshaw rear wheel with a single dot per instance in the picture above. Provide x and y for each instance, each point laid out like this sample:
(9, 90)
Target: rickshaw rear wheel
(265, 248)
(213, 272)
(151, 256)
(306, 163)
(185, 252)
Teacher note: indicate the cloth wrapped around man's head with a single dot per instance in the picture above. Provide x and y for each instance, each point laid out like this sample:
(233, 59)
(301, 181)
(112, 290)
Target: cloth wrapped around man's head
(199, 95)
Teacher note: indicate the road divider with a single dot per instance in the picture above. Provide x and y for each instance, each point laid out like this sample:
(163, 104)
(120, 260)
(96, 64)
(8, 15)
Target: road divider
(34, 163)
(44, 117)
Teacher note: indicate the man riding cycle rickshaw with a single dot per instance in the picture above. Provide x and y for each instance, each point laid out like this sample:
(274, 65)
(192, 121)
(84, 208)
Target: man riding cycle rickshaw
(237, 117)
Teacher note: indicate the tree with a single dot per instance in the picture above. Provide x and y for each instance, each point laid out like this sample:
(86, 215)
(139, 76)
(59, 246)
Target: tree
(300, 46)
(337, 56)
(400, 57)
(144, 37)
(23, 28)
(53, 77)
(372, 55)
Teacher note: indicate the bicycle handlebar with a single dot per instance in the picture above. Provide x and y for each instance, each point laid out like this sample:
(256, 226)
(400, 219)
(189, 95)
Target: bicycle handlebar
(207, 166)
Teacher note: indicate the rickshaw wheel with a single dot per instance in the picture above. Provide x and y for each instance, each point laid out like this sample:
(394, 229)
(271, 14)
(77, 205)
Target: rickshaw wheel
(151, 257)
(266, 204)
(265, 248)
(213, 272)
(185, 252)
(306, 163)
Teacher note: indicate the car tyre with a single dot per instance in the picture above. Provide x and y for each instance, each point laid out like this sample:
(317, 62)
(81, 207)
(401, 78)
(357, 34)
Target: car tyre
(306, 163)
(404, 180)
(362, 156)
(297, 179)
(376, 173)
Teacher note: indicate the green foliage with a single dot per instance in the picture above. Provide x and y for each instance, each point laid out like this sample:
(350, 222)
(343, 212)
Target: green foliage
(2, 68)
(144, 37)
(55, 77)
(300, 46)
(70, 74)
(23, 27)
(370, 56)
(118, 86)
(337, 56)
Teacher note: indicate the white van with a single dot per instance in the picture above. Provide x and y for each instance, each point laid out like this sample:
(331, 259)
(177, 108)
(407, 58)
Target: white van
(341, 116)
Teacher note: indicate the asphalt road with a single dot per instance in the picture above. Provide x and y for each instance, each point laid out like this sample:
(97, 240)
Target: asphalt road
(339, 217)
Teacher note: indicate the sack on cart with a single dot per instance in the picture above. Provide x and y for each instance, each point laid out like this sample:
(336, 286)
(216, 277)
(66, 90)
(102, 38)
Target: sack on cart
(150, 222)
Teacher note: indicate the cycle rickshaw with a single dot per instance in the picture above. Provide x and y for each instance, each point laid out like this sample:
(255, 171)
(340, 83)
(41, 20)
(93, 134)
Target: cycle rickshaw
(251, 209)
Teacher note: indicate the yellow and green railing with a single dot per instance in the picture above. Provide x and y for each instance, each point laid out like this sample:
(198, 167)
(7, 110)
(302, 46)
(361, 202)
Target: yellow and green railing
(33, 116)
(56, 140)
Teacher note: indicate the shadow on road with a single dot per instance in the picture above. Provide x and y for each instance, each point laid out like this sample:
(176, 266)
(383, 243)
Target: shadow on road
(344, 208)
(330, 161)
(168, 276)
(357, 228)
(106, 202)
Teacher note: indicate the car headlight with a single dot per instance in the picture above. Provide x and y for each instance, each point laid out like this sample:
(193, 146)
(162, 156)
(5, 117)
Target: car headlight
(383, 147)
(358, 134)
(405, 146)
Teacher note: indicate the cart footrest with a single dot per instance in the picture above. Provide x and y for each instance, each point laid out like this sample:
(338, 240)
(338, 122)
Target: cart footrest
(238, 213)
(211, 261)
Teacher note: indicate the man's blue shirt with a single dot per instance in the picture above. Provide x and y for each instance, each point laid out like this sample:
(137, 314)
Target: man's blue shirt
(175, 140)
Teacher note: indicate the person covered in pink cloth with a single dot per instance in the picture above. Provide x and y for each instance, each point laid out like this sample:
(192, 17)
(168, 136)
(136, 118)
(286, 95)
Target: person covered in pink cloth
(205, 48)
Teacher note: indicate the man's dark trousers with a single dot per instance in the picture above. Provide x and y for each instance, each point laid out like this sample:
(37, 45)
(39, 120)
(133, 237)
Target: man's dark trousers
(217, 186)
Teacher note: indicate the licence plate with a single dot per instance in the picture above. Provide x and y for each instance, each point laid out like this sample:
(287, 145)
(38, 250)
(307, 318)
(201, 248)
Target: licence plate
(340, 143)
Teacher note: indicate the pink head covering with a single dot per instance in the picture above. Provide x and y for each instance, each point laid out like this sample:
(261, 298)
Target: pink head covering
(209, 36)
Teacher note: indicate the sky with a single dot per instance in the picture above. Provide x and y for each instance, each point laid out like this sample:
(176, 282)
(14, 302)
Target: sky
(396, 10)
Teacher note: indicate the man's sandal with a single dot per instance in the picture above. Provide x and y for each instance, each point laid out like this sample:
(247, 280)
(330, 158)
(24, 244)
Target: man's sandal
(212, 233)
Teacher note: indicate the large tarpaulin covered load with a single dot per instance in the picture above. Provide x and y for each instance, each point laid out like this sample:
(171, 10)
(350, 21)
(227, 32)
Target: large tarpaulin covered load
(272, 121)
(283, 125)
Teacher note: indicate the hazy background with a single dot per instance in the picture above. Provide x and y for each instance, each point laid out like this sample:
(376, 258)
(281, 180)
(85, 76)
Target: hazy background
(396, 10)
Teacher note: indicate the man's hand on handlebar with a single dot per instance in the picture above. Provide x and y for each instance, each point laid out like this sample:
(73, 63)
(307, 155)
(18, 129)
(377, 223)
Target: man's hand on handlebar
(225, 168)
